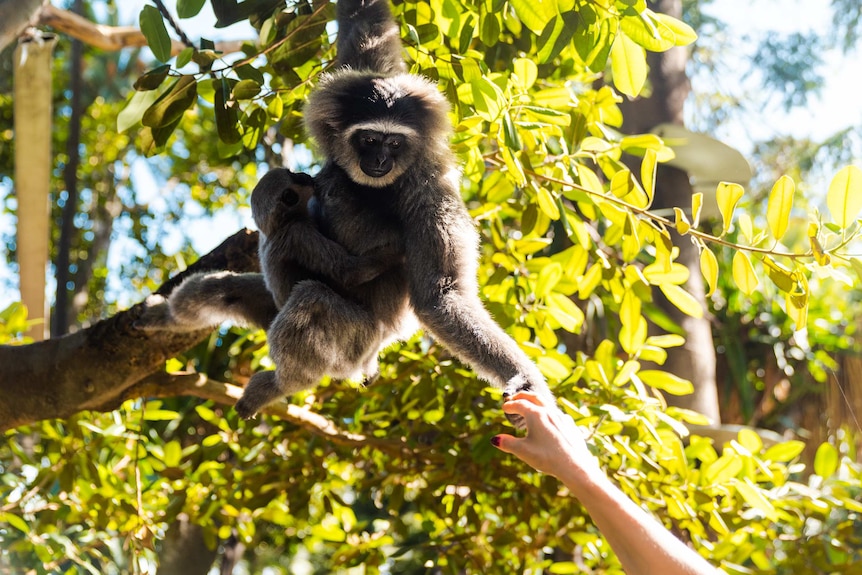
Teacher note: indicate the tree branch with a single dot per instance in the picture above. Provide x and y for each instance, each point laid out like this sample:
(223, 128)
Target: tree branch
(109, 38)
(95, 367)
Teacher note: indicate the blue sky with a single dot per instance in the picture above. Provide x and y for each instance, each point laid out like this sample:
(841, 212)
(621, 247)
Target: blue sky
(839, 105)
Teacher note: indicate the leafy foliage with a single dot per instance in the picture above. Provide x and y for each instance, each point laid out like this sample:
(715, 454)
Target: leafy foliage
(571, 252)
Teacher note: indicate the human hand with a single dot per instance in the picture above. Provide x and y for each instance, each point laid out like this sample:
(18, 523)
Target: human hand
(553, 444)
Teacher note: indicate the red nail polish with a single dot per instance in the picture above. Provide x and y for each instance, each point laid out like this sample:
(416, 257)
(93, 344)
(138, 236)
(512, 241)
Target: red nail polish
(495, 441)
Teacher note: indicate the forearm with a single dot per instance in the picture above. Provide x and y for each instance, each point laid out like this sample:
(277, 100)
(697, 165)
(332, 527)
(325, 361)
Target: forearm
(642, 545)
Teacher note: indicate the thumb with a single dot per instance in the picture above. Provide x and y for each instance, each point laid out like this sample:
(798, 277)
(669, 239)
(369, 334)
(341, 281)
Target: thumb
(507, 443)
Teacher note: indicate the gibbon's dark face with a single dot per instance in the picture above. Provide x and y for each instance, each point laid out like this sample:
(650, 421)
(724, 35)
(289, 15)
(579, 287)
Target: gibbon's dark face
(378, 152)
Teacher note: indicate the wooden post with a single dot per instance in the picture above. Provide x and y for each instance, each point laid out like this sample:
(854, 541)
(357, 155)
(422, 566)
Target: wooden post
(32, 109)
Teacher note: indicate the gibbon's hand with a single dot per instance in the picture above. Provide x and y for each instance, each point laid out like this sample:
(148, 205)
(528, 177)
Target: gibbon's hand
(553, 444)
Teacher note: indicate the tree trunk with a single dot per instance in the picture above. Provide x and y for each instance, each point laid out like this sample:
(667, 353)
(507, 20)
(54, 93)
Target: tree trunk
(62, 318)
(183, 551)
(32, 102)
(670, 87)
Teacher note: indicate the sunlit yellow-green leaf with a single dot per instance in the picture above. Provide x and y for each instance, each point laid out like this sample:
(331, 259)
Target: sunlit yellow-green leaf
(666, 381)
(648, 170)
(565, 312)
(780, 276)
(844, 197)
(749, 439)
(590, 281)
(722, 469)
(547, 202)
(754, 497)
(633, 335)
(526, 71)
(727, 195)
(683, 300)
(696, 206)
(743, 273)
(681, 222)
(535, 14)
(796, 306)
(666, 340)
(709, 269)
(784, 452)
(684, 34)
(826, 460)
(628, 63)
(549, 276)
(656, 274)
(779, 206)
(746, 226)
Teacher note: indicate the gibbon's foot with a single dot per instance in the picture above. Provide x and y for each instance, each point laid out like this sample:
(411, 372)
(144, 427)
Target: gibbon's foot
(155, 316)
(244, 408)
(262, 389)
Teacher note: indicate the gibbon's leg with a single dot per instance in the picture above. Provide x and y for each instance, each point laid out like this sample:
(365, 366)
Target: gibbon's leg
(205, 300)
(316, 333)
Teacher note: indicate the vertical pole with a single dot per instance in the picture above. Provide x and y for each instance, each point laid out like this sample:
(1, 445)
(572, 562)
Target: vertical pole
(32, 110)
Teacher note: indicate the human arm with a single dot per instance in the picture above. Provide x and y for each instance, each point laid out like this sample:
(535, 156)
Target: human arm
(554, 445)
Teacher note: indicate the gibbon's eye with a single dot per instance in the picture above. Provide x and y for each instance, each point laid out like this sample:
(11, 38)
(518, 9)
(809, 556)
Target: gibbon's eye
(394, 144)
(290, 197)
(369, 141)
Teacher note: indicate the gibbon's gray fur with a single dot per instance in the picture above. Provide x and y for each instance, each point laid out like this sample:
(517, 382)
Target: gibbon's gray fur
(390, 179)
(390, 184)
(291, 248)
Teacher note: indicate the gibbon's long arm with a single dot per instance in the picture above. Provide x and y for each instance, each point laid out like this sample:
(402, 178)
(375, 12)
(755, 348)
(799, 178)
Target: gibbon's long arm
(369, 39)
(444, 248)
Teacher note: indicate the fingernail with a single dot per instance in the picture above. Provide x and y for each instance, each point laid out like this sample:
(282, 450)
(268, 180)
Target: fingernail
(495, 441)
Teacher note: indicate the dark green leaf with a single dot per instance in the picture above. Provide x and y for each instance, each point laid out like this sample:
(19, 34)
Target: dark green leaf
(153, 29)
(246, 90)
(189, 8)
(226, 114)
(185, 56)
(171, 105)
(153, 78)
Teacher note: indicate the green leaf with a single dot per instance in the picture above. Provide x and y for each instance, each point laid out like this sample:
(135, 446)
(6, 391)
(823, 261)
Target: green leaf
(844, 197)
(246, 90)
(189, 8)
(779, 206)
(184, 57)
(666, 381)
(683, 300)
(826, 460)
(727, 195)
(15, 521)
(153, 78)
(743, 273)
(160, 415)
(226, 113)
(628, 63)
(153, 29)
(169, 108)
(139, 103)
